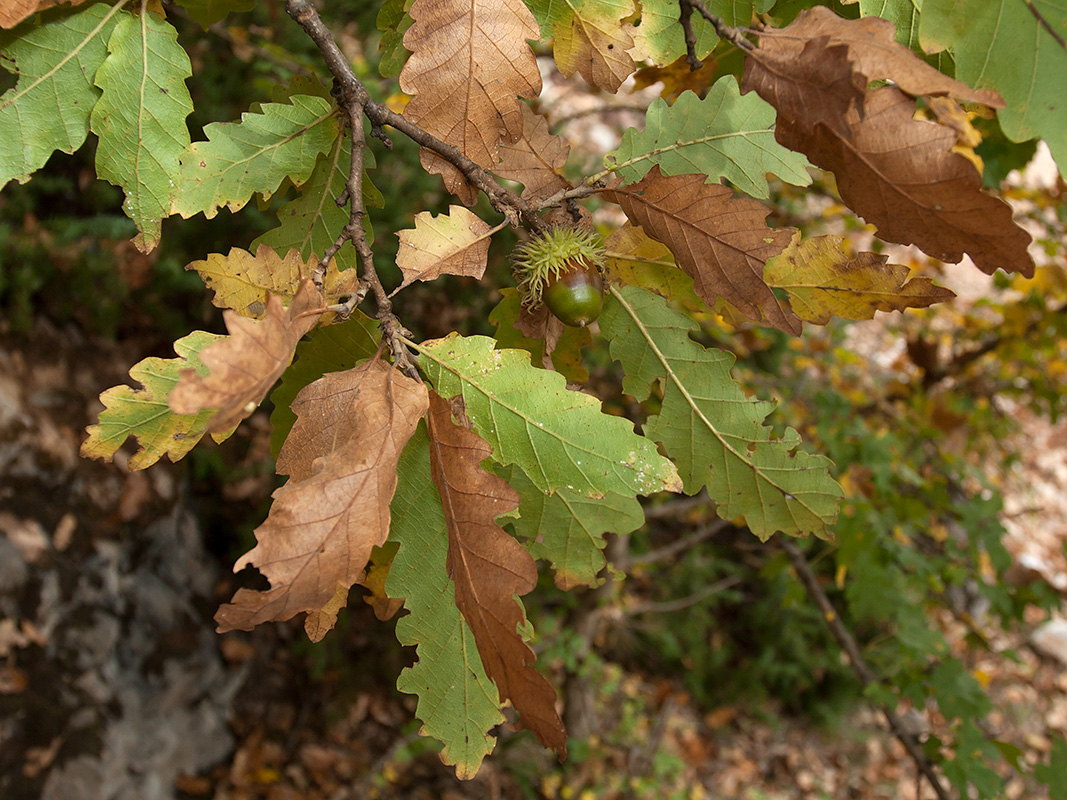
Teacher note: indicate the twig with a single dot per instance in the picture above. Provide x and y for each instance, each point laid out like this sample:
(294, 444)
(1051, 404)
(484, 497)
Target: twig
(867, 677)
(681, 603)
(734, 36)
(351, 89)
(685, 543)
(1045, 24)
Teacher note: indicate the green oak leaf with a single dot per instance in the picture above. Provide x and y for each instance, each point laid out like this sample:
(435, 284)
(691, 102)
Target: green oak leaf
(311, 222)
(144, 412)
(659, 37)
(566, 358)
(567, 529)
(393, 21)
(711, 429)
(458, 704)
(208, 12)
(1000, 44)
(140, 118)
(559, 438)
(48, 109)
(254, 155)
(334, 348)
(724, 135)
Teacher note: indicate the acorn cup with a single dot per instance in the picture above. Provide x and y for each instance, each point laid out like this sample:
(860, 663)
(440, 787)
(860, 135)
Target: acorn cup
(562, 269)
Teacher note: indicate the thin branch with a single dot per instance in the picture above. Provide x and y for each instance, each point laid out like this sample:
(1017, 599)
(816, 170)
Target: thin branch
(688, 542)
(682, 603)
(867, 677)
(1045, 24)
(734, 36)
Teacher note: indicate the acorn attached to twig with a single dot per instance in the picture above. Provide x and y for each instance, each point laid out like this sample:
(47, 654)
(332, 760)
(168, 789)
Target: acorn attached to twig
(563, 270)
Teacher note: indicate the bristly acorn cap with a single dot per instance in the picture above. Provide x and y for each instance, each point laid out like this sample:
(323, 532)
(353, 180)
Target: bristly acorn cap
(558, 251)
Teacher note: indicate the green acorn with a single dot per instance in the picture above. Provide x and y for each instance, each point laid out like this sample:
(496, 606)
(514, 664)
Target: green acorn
(562, 269)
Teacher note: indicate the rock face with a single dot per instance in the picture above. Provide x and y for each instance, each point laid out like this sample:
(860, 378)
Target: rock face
(112, 681)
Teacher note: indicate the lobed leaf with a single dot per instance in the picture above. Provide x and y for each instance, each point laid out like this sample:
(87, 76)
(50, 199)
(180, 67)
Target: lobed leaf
(143, 413)
(282, 140)
(243, 366)
(536, 159)
(469, 64)
(724, 135)
(333, 348)
(559, 438)
(458, 704)
(711, 429)
(721, 241)
(567, 529)
(490, 570)
(589, 37)
(342, 456)
(48, 109)
(900, 175)
(822, 281)
(140, 118)
(244, 282)
(456, 243)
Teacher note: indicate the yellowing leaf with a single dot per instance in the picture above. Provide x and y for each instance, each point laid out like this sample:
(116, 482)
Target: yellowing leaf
(342, 457)
(243, 282)
(822, 281)
(144, 412)
(456, 243)
(590, 38)
(244, 366)
(489, 570)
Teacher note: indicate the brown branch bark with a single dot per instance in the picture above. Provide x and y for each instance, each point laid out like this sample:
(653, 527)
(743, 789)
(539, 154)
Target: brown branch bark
(863, 672)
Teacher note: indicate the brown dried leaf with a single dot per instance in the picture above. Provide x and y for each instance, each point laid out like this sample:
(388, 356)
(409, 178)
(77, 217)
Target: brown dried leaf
(817, 67)
(470, 62)
(342, 456)
(489, 568)
(721, 241)
(806, 81)
(898, 173)
(456, 243)
(244, 366)
(12, 12)
(535, 159)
